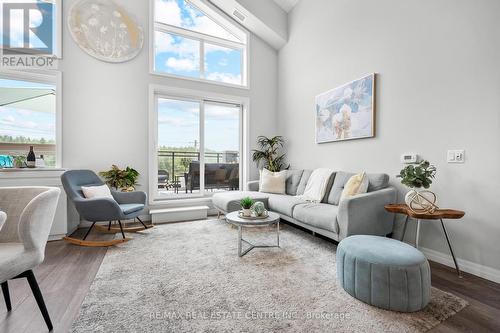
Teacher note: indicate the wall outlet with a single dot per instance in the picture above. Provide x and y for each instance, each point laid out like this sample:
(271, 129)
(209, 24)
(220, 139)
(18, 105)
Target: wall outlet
(456, 156)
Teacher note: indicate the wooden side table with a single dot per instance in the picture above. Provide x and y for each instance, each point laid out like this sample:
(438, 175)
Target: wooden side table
(439, 214)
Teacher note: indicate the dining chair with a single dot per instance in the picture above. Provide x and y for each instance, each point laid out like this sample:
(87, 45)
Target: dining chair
(29, 214)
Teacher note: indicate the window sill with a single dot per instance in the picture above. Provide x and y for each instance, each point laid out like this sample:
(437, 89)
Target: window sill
(7, 170)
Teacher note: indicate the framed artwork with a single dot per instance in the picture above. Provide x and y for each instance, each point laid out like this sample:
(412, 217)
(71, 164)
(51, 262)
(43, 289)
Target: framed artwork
(347, 112)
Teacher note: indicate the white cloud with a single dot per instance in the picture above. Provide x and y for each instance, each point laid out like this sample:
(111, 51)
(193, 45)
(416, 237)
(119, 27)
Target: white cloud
(176, 121)
(224, 77)
(221, 112)
(184, 65)
(207, 26)
(168, 12)
(186, 51)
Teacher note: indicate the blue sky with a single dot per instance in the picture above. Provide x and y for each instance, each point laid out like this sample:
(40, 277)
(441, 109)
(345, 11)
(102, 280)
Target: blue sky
(181, 56)
(22, 122)
(178, 125)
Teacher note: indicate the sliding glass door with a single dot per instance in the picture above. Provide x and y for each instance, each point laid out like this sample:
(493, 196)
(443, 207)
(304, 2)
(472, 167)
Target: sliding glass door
(198, 147)
(222, 146)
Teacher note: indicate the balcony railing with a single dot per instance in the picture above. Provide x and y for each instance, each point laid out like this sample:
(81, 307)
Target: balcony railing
(180, 170)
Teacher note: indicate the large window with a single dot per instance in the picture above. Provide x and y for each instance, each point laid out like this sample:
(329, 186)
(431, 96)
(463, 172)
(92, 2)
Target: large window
(197, 145)
(29, 116)
(194, 41)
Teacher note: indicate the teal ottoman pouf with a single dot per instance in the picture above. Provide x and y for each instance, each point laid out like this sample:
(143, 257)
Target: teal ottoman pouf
(384, 272)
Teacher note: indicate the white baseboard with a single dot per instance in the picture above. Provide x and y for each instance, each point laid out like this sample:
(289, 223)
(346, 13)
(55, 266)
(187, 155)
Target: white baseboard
(485, 272)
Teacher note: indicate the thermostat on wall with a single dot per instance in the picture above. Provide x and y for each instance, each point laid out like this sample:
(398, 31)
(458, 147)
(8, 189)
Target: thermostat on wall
(409, 158)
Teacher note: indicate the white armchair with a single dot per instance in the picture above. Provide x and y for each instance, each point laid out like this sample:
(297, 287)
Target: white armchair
(29, 216)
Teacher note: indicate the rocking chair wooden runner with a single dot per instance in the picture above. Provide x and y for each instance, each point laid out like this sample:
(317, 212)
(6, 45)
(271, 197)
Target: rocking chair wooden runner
(125, 206)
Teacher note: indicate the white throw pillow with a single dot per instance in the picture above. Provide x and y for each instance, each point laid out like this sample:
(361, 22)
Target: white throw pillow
(316, 185)
(94, 192)
(272, 182)
(357, 184)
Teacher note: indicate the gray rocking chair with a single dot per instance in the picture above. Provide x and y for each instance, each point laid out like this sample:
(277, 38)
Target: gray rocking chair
(125, 206)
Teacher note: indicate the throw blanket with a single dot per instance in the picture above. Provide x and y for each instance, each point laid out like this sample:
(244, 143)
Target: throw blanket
(316, 185)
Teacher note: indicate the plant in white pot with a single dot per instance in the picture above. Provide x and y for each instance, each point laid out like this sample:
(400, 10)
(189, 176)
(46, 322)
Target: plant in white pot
(416, 177)
(246, 206)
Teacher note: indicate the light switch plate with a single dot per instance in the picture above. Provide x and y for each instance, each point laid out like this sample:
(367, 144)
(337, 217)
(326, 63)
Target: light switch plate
(456, 156)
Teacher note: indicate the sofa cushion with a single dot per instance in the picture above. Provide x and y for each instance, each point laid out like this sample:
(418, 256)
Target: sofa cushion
(292, 181)
(272, 182)
(303, 181)
(328, 188)
(283, 204)
(377, 182)
(230, 201)
(319, 215)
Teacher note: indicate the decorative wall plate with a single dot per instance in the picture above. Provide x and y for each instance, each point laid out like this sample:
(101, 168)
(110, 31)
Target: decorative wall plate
(105, 30)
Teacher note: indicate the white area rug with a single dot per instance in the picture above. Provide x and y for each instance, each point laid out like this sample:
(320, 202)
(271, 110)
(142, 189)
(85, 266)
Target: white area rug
(187, 277)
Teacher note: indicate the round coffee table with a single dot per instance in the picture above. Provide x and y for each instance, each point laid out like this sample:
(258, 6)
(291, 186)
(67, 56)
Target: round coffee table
(234, 219)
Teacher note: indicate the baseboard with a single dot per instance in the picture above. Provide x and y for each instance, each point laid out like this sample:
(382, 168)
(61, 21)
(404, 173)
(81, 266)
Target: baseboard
(485, 272)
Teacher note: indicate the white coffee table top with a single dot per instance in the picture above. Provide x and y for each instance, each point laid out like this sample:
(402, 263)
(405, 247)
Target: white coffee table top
(235, 219)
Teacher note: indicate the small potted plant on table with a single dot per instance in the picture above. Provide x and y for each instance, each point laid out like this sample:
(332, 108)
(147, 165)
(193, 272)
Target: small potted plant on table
(246, 205)
(417, 177)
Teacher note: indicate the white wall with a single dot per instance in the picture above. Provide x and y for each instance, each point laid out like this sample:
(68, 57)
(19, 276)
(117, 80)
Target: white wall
(438, 88)
(105, 106)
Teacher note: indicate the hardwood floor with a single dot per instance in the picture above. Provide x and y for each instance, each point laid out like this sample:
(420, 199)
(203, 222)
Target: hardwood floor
(68, 271)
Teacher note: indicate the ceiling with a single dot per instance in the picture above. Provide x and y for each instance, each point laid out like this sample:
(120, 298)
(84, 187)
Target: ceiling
(287, 5)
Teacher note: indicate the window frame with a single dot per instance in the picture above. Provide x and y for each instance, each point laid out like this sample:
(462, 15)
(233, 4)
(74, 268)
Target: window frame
(191, 95)
(202, 39)
(44, 77)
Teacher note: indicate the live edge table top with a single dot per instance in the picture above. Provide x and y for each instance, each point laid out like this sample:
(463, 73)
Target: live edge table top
(438, 214)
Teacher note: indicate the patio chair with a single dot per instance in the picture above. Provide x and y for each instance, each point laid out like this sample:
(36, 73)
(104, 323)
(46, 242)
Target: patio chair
(163, 178)
(123, 206)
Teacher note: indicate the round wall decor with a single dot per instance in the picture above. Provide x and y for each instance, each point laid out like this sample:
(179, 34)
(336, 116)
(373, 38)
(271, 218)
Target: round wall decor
(105, 30)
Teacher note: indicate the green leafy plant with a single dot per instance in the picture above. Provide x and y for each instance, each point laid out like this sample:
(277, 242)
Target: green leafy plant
(185, 161)
(120, 179)
(246, 203)
(417, 176)
(19, 161)
(269, 153)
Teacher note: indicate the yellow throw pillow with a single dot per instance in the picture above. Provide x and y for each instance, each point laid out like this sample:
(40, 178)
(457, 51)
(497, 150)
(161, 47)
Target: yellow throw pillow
(357, 184)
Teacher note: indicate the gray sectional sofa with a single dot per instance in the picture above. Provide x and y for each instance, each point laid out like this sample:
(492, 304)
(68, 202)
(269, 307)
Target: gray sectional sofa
(362, 214)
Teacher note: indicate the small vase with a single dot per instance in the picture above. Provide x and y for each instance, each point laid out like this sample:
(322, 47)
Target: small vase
(247, 212)
(258, 208)
(421, 201)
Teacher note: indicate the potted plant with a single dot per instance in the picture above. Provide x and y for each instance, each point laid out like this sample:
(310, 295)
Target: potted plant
(185, 161)
(417, 177)
(246, 205)
(269, 153)
(19, 161)
(121, 179)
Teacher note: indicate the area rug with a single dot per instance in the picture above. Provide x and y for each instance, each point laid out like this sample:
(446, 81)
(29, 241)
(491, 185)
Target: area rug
(187, 277)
